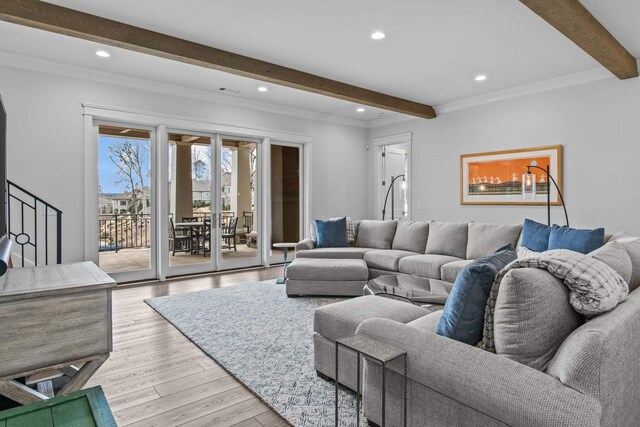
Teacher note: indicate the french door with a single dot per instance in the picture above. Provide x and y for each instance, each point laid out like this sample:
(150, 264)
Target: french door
(126, 232)
(172, 200)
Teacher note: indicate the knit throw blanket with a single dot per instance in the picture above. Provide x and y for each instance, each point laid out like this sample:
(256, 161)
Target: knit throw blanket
(595, 288)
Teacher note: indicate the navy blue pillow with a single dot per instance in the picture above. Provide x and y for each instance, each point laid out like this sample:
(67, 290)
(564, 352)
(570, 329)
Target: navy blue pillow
(332, 233)
(535, 236)
(463, 315)
(583, 241)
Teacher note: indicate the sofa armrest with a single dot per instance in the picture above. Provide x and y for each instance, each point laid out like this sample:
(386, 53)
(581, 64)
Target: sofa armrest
(305, 244)
(494, 385)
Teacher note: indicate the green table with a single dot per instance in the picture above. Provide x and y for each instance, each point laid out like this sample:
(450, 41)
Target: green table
(78, 409)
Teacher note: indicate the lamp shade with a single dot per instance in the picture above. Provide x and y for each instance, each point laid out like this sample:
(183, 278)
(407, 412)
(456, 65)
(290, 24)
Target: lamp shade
(529, 186)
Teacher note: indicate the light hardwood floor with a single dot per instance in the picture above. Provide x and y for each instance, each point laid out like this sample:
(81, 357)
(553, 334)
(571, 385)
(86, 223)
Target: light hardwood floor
(157, 377)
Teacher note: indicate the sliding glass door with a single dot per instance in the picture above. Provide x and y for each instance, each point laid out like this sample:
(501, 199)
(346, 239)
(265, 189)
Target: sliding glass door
(190, 205)
(173, 201)
(126, 198)
(240, 242)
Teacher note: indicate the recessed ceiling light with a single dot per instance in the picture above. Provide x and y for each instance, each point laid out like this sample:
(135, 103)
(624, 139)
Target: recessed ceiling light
(378, 35)
(103, 54)
(480, 77)
(263, 89)
(360, 110)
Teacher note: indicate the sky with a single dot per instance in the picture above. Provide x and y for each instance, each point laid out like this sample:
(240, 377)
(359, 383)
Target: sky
(108, 172)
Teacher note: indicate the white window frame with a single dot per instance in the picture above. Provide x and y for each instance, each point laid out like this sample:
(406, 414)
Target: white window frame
(161, 122)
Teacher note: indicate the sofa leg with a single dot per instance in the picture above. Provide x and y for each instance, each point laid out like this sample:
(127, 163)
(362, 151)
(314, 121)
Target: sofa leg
(292, 295)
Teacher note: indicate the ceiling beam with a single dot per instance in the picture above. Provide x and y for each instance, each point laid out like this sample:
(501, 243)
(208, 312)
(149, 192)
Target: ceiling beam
(573, 20)
(57, 19)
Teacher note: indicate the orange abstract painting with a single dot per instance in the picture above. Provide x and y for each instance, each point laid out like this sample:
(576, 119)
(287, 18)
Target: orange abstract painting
(499, 171)
(496, 177)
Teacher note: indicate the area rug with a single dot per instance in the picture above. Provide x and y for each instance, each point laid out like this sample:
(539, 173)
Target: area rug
(263, 339)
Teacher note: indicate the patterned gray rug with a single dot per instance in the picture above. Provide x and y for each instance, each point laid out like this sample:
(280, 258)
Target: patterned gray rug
(264, 339)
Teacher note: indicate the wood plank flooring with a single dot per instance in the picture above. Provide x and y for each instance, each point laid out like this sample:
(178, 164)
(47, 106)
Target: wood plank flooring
(157, 377)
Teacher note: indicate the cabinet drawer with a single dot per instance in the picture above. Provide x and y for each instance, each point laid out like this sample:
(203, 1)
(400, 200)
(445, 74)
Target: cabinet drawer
(40, 332)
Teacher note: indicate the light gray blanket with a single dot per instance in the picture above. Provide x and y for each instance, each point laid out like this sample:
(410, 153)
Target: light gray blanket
(595, 288)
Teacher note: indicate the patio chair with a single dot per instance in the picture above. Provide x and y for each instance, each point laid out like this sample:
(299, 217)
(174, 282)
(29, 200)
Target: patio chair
(229, 234)
(180, 241)
(247, 217)
(225, 218)
(206, 237)
(190, 219)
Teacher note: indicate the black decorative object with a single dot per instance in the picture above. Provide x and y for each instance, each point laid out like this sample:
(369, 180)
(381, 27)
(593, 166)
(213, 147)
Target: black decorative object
(529, 180)
(386, 198)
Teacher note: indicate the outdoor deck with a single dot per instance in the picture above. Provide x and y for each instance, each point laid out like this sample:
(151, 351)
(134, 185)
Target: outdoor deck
(138, 258)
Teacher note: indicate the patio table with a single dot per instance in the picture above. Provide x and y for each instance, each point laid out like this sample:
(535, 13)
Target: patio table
(195, 229)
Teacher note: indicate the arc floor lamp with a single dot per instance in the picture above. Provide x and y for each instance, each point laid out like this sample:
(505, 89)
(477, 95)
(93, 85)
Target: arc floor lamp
(529, 189)
(390, 190)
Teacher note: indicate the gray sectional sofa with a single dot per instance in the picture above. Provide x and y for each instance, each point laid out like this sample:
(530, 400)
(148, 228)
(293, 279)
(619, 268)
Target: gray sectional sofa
(551, 366)
(434, 250)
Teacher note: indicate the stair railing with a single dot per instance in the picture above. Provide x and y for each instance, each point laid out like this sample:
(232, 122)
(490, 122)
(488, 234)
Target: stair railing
(35, 226)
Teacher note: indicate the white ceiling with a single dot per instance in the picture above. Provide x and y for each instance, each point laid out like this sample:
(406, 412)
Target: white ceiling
(432, 51)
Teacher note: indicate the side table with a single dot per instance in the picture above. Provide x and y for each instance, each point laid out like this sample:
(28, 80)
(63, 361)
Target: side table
(54, 317)
(285, 247)
(380, 352)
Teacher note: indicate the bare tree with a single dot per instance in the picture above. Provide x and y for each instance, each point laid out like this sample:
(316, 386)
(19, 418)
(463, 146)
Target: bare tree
(130, 158)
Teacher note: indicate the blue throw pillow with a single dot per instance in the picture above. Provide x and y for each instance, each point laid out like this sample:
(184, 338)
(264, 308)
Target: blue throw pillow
(583, 241)
(332, 233)
(535, 236)
(463, 315)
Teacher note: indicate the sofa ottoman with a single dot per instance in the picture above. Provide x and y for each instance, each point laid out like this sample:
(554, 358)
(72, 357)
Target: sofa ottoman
(339, 320)
(333, 277)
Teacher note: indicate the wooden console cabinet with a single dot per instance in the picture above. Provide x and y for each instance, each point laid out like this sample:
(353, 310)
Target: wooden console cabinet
(53, 318)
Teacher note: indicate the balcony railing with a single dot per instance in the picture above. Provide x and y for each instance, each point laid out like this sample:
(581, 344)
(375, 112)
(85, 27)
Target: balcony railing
(120, 231)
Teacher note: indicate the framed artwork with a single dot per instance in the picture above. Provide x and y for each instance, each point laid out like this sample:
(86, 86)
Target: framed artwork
(495, 178)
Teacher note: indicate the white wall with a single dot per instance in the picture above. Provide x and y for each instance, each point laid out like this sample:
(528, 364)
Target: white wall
(45, 143)
(598, 124)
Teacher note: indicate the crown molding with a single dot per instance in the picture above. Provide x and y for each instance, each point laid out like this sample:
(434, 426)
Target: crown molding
(388, 120)
(555, 83)
(51, 67)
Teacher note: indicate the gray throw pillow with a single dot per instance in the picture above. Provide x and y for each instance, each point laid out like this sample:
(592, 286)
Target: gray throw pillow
(376, 234)
(411, 236)
(448, 238)
(532, 317)
(485, 239)
(615, 256)
(633, 250)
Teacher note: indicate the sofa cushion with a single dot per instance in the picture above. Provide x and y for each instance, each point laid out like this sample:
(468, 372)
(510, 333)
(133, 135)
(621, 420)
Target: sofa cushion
(535, 235)
(424, 265)
(485, 239)
(633, 250)
(339, 320)
(615, 256)
(375, 234)
(339, 253)
(411, 236)
(449, 271)
(428, 322)
(332, 233)
(532, 317)
(328, 269)
(463, 316)
(448, 238)
(583, 241)
(387, 259)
